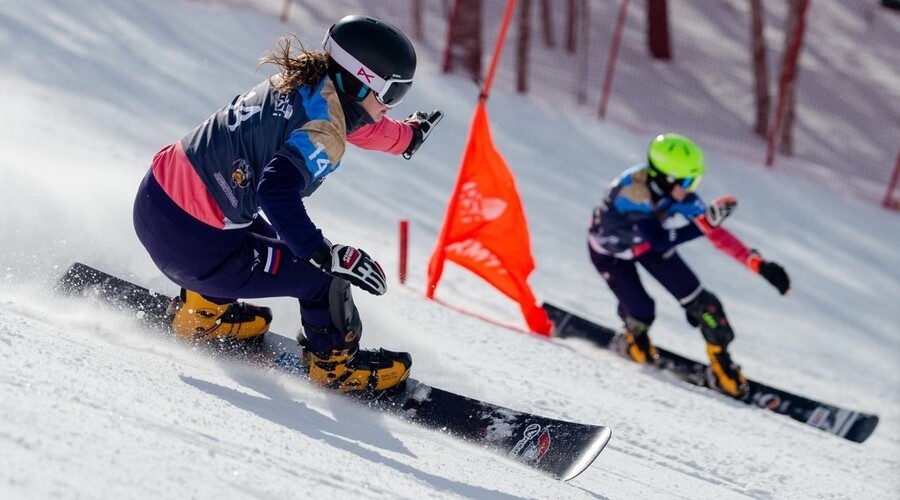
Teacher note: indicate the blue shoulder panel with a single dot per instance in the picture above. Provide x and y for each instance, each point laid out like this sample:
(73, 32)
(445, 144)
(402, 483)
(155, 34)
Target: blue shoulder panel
(309, 149)
(315, 158)
(315, 105)
(624, 205)
(692, 206)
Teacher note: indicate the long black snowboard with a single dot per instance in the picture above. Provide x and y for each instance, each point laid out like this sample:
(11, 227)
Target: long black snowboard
(852, 425)
(559, 448)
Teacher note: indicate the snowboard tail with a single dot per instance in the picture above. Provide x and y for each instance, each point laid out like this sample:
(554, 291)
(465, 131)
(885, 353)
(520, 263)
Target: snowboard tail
(559, 448)
(147, 306)
(852, 425)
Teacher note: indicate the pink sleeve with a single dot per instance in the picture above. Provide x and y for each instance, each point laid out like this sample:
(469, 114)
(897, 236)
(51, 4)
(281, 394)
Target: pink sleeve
(388, 135)
(728, 243)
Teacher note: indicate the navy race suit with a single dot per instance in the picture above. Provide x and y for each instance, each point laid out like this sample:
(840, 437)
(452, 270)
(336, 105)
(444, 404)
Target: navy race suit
(627, 228)
(631, 225)
(230, 154)
(628, 221)
(231, 148)
(196, 211)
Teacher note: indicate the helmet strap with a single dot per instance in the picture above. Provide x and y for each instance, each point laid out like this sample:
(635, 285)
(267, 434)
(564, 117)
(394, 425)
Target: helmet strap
(656, 190)
(659, 183)
(340, 82)
(338, 78)
(363, 92)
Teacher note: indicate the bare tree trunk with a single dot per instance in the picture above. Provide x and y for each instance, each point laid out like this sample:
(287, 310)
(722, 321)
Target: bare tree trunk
(760, 70)
(658, 29)
(795, 8)
(522, 46)
(786, 146)
(571, 23)
(547, 18)
(418, 28)
(584, 29)
(464, 38)
(889, 200)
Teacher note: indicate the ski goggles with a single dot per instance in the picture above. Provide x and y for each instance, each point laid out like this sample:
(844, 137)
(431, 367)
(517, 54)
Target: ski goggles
(667, 182)
(393, 91)
(388, 92)
(690, 184)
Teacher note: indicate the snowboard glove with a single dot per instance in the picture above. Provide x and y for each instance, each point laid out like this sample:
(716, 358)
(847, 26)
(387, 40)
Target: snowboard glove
(720, 209)
(351, 264)
(422, 124)
(771, 271)
(776, 275)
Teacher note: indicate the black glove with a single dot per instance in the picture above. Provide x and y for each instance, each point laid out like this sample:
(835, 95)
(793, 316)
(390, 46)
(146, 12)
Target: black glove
(422, 124)
(351, 264)
(775, 274)
(720, 209)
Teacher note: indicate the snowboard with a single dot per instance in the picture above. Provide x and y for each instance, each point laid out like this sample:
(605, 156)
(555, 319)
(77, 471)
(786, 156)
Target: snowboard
(852, 425)
(558, 448)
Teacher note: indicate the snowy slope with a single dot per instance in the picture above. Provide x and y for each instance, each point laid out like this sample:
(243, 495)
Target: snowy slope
(93, 407)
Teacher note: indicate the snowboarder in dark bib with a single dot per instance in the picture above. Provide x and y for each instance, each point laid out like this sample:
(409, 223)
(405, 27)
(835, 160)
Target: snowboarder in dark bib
(197, 211)
(636, 223)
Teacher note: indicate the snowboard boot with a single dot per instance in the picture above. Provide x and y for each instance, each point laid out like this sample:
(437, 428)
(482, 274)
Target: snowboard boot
(635, 343)
(355, 370)
(195, 318)
(638, 348)
(724, 374)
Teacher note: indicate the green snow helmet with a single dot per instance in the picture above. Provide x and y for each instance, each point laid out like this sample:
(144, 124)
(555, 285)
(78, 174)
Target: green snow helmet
(674, 160)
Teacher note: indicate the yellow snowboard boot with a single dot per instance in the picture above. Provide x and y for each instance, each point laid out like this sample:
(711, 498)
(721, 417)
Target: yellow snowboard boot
(351, 370)
(639, 348)
(635, 343)
(195, 318)
(726, 376)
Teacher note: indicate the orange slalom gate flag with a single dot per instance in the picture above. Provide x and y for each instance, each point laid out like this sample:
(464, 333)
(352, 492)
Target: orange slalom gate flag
(485, 230)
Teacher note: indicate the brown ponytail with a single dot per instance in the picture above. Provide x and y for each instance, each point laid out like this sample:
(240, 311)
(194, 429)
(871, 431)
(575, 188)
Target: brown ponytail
(306, 68)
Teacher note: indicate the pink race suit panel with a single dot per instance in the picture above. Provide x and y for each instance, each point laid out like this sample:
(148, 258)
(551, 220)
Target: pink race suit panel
(175, 174)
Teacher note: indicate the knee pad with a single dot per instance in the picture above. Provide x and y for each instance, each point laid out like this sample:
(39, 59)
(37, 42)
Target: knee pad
(337, 308)
(344, 314)
(707, 312)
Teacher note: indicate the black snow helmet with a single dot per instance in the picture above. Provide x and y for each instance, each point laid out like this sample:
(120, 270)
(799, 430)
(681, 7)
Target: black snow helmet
(370, 54)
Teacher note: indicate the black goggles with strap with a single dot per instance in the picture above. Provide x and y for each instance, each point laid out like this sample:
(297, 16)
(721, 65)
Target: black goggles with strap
(388, 92)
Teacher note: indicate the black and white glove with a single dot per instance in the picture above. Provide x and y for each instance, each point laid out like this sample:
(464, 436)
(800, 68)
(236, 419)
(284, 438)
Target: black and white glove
(422, 124)
(351, 264)
(719, 210)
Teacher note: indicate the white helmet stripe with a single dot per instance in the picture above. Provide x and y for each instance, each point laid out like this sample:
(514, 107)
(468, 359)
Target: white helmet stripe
(352, 64)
